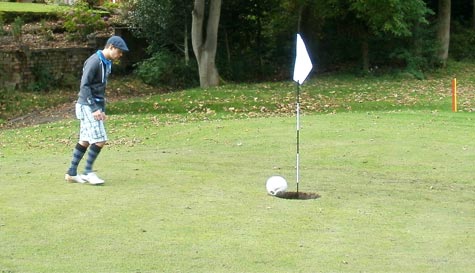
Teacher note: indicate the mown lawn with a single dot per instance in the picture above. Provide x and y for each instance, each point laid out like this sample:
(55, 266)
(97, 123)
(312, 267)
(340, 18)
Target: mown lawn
(397, 196)
(30, 7)
(185, 183)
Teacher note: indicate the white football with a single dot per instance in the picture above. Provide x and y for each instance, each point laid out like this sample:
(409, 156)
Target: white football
(276, 185)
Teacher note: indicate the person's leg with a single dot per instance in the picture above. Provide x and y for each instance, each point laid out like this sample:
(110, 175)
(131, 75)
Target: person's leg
(94, 151)
(94, 131)
(78, 153)
(89, 174)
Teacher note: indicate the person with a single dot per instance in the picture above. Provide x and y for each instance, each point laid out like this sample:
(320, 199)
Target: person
(90, 110)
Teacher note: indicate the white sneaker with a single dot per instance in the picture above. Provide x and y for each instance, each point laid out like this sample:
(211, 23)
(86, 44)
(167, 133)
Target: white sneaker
(73, 179)
(92, 179)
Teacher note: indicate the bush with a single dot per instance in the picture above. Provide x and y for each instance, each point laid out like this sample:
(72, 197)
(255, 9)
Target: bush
(17, 28)
(81, 21)
(111, 6)
(167, 69)
(46, 32)
(2, 24)
(461, 43)
(418, 55)
(28, 17)
(44, 81)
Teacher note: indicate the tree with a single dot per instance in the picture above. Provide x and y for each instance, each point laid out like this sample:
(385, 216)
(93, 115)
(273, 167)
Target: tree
(443, 30)
(205, 41)
(364, 22)
(473, 14)
(163, 23)
(394, 17)
(249, 39)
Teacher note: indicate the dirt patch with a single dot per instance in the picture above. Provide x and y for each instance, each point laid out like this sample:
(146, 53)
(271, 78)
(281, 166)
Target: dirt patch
(118, 89)
(60, 112)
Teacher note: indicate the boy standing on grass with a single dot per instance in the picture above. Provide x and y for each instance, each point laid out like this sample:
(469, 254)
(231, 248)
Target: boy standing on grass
(90, 110)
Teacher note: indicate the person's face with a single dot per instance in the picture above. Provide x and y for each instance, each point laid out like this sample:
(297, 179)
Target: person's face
(115, 53)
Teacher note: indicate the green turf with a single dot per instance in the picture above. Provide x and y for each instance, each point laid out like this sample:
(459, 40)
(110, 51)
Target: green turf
(189, 196)
(34, 12)
(322, 94)
(30, 7)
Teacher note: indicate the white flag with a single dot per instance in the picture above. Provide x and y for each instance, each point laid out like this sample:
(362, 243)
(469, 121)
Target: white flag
(303, 64)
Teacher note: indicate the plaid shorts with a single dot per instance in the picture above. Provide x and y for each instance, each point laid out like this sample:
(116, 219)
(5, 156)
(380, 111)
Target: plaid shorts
(91, 130)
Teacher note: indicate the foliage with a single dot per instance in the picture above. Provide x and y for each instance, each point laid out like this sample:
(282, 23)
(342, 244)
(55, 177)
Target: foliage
(124, 9)
(45, 31)
(461, 42)
(3, 32)
(418, 54)
(88, 4)
(81, 21)
(396, 17)
(162, 23)
(167, 69)
(16, 29)
(260, 48)
(256, 38)
(343, 29)
(43, 79)
(111, 6)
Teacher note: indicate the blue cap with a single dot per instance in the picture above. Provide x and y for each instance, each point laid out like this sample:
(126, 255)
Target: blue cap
(118, 42)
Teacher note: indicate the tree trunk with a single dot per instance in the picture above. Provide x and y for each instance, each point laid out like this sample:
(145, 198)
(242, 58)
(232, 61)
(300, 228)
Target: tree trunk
(205, 41)
(365, 52)
(228, 48)
(443, 30)
(185, 43)
(299, 19)
(473, 14)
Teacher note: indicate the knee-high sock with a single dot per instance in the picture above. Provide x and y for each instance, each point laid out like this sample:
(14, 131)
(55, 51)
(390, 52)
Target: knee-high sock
(78, 154)
(94, 151)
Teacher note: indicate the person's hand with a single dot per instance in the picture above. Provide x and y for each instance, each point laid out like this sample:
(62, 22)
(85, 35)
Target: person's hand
(99, 115)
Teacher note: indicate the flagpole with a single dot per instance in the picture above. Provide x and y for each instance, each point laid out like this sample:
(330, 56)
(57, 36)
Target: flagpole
(303, 66)
(298, 135)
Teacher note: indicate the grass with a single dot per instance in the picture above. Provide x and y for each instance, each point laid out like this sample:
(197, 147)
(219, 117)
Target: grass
(33, 12)
(30, 7)
(17, 103)
(322, 94)
(397, 196)
(186, 171)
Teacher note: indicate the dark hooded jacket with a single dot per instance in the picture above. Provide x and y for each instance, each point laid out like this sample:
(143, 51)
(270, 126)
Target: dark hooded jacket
(96, 69)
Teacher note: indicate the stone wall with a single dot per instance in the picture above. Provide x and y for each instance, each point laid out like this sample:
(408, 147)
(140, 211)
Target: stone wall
(21, 67)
